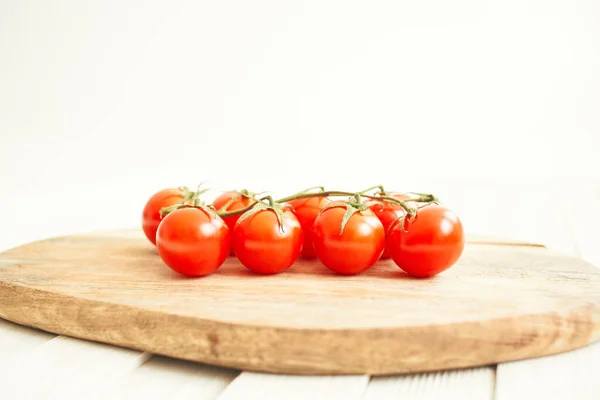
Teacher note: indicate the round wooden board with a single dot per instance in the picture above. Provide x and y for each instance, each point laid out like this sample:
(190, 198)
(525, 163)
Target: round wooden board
(499, 303)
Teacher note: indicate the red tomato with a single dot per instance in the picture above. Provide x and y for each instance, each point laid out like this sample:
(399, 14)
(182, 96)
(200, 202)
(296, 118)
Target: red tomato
(232, 201)
(151, 214)
(433, 242)
(306, 210)
(387, 214)
(193, 241)
(402, 196)
(236, 200)
(260, 244)
(356, 249)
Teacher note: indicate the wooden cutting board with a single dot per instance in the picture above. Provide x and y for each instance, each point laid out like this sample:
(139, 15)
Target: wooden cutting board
(499, 303)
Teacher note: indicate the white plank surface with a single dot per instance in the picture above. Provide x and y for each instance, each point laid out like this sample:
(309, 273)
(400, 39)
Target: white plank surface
(65, 368)
(166, 378)
(572, 375)
(472, 383)
(258, 386)
(15, 340)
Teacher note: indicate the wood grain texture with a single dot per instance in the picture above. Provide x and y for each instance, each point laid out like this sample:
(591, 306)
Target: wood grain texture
(499, 303)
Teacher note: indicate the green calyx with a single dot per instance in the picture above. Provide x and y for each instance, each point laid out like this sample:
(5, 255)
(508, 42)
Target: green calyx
(384, 196)
(411, 214)
(239, 194)
(196, 203)
(190, 199)
(380, 191)
(352, 205)
(270, 204)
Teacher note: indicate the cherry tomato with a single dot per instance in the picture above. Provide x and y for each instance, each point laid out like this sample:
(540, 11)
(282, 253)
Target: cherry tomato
(387, 214)
(356, 249)
(260, 244)
(151, 215)
(232, 201)
(193, 241)
(433, 241)
(236, 200)
(306, 210)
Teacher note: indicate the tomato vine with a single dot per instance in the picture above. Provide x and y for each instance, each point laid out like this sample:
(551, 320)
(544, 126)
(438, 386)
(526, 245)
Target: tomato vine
(353, 204)
(381, 195)
(348, 232)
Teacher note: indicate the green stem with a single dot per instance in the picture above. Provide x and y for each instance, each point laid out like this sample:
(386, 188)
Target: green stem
(319, 188)
(270, 200)
(380, 187)
(422, 198)
(327, 193)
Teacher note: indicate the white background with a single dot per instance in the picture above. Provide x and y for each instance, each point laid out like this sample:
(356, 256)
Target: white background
(103, 103)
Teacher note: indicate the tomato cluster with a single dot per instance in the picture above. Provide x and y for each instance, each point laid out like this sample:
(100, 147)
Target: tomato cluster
(422, 237)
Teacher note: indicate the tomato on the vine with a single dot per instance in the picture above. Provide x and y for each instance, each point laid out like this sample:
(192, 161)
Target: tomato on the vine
(356, 248)
(263, 245)
(431, 241)
(306, 210)
(193, 241)
(232, 201)
(151, 215)
(388, 213)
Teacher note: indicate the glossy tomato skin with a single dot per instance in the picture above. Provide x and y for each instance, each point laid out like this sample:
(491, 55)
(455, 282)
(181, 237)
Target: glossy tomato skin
(356, 249)
(193, 241)
(262, 247)
(306, 210)
(151, 215)
(433, 241)
(387, 214)
(239, 202)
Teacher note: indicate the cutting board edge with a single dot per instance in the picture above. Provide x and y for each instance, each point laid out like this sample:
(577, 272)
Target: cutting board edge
(98, 314)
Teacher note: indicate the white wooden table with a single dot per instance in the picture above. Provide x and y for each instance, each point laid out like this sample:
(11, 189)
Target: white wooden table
(36, 364)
